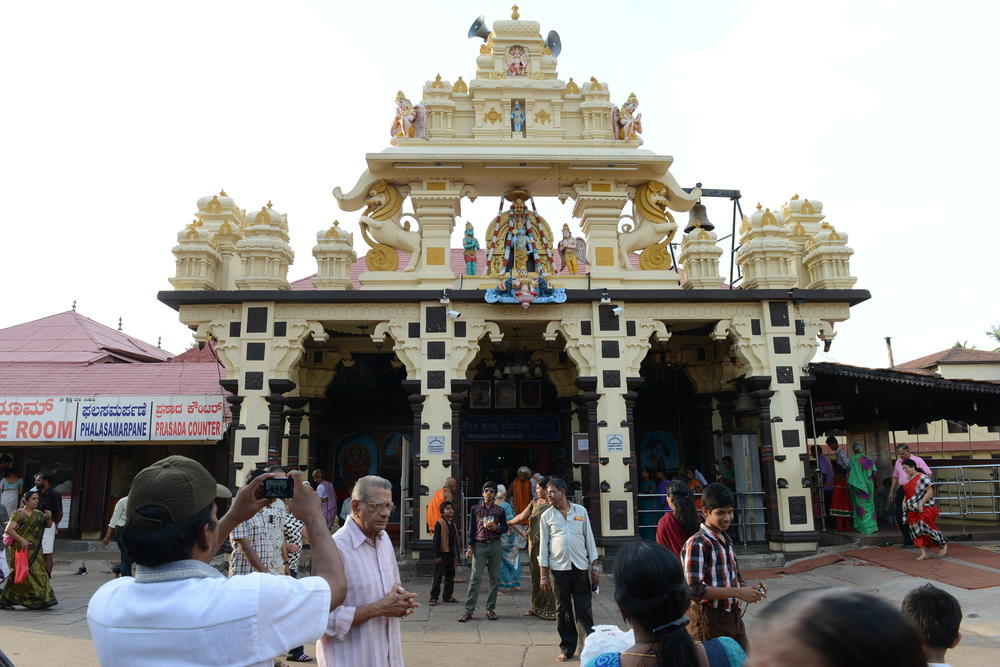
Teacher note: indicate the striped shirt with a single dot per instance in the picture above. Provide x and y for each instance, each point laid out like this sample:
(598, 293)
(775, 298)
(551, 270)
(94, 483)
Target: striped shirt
(709, 560)
(371, 572)
(254, 529)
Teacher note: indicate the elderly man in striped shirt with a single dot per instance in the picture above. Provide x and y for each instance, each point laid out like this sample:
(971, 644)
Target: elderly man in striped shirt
(717, 587)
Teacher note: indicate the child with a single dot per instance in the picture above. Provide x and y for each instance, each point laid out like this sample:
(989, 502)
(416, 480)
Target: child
(445, 554)
(710, 566)
(936, 615)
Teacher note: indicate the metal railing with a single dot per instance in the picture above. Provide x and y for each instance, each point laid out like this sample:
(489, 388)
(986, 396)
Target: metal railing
(405, 531)
(748, 514)
(968, 492)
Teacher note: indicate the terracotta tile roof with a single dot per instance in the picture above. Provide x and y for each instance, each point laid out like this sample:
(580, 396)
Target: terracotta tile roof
(953, 355)
(60, 379)
(197, 355)
(70, 337)
(909, 376)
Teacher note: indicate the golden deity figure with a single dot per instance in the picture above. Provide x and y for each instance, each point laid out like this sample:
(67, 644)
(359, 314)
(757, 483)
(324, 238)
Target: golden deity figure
(572, 250)
(410, 120)
(625, 122)
(518, 240)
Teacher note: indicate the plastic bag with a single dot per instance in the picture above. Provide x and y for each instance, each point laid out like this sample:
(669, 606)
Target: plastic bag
(605, 639)
(20, 566)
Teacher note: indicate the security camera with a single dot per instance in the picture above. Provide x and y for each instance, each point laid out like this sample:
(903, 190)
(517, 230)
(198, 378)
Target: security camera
(454, 314)
(617, 310)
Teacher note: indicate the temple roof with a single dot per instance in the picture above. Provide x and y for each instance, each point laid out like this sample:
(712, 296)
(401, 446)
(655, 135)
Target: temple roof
(70, 337)
(953, 355)
(37, 379)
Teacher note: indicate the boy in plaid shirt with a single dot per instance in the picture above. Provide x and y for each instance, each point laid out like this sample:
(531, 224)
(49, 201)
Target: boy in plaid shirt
(710, 566)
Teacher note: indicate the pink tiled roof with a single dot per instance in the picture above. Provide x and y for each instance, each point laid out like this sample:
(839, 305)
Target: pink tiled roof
(456, 262)
(59, 379)
(70, 337)
(953, 355)
(197, 355)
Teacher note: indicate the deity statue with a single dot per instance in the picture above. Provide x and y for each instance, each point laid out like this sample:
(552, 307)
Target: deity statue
(525, 289)
(625, 123)
(517, 118)
(517, 60)
(571, 249)
(469, 247)
(518, 240)
(410, 120)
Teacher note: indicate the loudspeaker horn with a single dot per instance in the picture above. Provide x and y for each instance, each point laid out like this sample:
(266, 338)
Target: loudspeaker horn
(554, 43)
(479, 28)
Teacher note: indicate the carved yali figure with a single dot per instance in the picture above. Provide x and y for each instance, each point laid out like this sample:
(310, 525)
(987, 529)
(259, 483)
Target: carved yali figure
(410, 120)
(654, 228)
(625, 123)
(382, 230)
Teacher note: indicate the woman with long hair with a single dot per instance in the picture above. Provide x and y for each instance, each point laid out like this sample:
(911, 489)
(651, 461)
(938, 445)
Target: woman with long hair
(921, 511)
(682, 522)
(543, 603)
(653, 596)
(25, 529)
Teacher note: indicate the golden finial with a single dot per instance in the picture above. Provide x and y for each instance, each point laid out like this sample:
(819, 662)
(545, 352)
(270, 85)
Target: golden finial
(336, 223)
(269, 204)
(514, 15)
(572, 88)
(222, 193)
(460, 86)
(759, 206)
(795, 196)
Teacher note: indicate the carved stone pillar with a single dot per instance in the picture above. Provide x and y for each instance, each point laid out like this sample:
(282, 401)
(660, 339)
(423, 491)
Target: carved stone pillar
(276, 421)
(417, 490)
(632, 486)
(762, 395)
(235, 405)
(457, 398)
(592, 473)
(315, 413)
(294, 414)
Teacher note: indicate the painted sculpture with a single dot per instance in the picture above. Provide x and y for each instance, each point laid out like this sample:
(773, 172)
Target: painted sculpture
(572, 250)
(518, 240)
(625, 123)
(410, 120)
(653, 230)
(525, 289)
(517, 118)
(517, 60)
(469, 247)
(382, 230)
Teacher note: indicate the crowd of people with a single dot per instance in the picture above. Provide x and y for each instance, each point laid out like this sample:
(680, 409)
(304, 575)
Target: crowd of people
(683, 595)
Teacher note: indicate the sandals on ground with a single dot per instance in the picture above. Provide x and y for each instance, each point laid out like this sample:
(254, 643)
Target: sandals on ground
(433, 602)
(451, 600)
(464, 617)
(491, 615)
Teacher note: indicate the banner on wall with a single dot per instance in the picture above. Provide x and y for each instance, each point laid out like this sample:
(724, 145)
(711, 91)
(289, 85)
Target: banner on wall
(111, 418)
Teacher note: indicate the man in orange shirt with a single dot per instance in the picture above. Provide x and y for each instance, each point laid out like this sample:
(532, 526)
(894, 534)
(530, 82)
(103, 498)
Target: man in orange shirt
(446, 492)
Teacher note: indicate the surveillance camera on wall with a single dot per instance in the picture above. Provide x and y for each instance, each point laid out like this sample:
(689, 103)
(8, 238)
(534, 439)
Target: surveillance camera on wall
(454, 314)
(618, 310)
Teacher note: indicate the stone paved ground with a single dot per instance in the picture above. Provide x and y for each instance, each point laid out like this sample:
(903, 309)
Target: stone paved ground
(433, 638)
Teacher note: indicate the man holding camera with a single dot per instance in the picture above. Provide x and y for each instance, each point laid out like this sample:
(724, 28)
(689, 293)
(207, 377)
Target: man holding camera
(188, 612)
(487, 522)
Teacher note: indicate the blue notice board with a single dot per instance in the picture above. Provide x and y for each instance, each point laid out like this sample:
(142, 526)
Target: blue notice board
(510, 427)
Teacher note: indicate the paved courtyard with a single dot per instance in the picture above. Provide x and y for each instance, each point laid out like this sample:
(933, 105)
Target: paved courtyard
(433, 638)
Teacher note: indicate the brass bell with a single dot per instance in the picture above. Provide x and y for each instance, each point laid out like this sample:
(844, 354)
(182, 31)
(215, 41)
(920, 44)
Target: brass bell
(699, 218)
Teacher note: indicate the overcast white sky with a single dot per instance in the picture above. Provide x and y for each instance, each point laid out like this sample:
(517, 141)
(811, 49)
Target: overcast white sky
(118, 116)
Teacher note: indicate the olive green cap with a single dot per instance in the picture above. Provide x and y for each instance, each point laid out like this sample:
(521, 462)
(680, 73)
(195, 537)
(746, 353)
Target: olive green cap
(179, 485)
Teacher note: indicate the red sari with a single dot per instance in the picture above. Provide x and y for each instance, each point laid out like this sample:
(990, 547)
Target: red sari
(840, 505)
(922, 522)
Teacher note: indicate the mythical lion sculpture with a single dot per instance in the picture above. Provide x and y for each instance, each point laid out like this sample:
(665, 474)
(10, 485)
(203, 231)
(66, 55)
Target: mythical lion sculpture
(382, 230)
(654, 228)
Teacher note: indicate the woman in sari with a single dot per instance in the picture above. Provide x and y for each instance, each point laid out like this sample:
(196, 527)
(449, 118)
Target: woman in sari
(543, 603)
(921, 511)
(840, 506)
(510, 563)
(859, 480)
(25, 528)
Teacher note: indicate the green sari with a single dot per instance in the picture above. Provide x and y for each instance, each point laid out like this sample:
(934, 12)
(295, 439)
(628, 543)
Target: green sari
(35, 592)
(543, 603)
(859, 480)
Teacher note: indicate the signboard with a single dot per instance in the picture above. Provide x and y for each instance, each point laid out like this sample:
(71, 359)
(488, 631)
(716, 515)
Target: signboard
(510, 427)
(435, 445)
(111, 418)
(615, 443)
(828, 411)
(581, 449)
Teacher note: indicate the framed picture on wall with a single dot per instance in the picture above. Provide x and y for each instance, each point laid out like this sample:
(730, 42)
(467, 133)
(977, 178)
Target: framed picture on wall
(506, 393)
(531, 396)
(480, 393)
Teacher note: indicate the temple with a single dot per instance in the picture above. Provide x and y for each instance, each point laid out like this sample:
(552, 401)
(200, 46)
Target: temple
(605, 354)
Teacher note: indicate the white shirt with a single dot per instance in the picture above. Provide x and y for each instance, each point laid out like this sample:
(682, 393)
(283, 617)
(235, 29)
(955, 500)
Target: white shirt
(118, 515)
(371, 572)
(843, 460)
(187, 613)
(566, 542)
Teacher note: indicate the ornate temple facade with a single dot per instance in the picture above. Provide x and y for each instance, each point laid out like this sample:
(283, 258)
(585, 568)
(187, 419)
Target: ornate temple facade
(595, 354)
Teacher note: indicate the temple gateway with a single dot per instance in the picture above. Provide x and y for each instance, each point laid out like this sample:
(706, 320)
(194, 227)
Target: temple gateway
(608, 354)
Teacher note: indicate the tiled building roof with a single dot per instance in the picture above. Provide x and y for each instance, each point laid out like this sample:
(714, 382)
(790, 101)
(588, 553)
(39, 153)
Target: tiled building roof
(953, 355)
(70, 337)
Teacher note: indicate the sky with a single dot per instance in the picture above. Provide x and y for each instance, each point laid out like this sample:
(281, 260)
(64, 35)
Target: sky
(118, 116)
